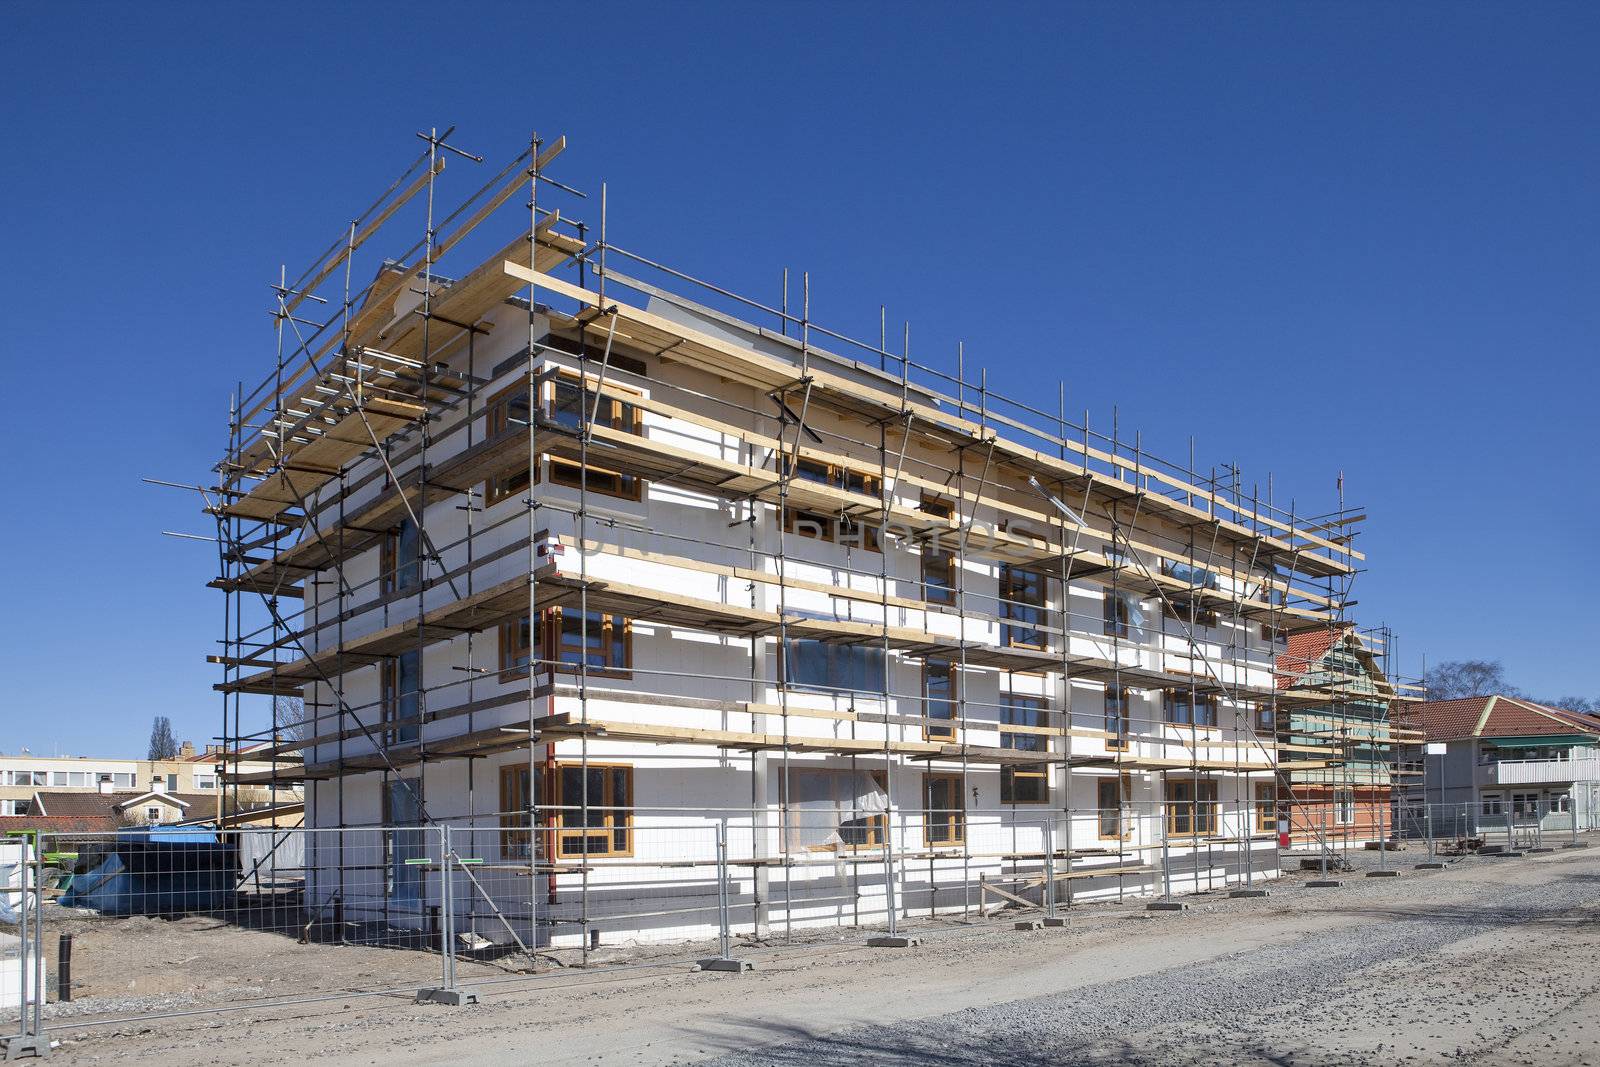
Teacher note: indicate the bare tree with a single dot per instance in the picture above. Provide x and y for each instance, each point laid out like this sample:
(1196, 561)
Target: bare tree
(162, 744)
(1468, 678)
(289, 718)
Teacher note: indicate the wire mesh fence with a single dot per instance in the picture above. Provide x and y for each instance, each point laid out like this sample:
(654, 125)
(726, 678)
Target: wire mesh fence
(151, 923)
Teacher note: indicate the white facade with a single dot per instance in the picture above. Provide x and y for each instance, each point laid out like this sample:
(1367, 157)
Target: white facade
(835, 790)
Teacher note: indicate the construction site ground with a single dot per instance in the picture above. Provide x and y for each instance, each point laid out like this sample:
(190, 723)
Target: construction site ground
(1488, 961)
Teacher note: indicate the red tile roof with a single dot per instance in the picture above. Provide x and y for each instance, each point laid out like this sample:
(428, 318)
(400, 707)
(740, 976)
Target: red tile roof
(1305, 649)
(1498, 716)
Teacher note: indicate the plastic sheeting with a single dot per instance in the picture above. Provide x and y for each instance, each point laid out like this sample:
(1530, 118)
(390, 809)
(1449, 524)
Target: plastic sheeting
(166, 872)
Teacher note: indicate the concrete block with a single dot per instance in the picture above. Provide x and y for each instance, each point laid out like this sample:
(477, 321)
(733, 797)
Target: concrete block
(1059, 920)
(1430, 866)
(1166, 905)
(717, 963)
(454, 998)
(1541, 848)
(1324, 883)
(1388, 873)
(1237, 893)
(885, 941)
(1027, 924)
(1576, 844)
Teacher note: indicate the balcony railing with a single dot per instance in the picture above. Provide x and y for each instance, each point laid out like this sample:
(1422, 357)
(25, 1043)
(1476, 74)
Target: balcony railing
(1534, 771)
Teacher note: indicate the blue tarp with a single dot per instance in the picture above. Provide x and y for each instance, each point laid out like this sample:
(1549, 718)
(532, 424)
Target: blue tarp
(164, 871)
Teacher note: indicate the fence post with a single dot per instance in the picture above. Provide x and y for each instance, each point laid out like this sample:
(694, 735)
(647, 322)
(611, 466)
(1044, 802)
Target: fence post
(723, 960)
(894, 939)
(447, 992)
(1050, 874)
(30, 1039)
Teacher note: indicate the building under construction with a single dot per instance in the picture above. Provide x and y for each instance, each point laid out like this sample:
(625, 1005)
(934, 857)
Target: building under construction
(615, 571)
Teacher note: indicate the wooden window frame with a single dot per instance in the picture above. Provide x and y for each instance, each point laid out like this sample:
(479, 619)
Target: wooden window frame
(389, 697)
(930, 732)
(1116, 695)
(552, 634)
(1199, 808)
(1041, 714)
(1123, 785)
(1116, 615)
(611, 826)
(497, 425)
(1195, 615)
(516, 800)
(1169, 704)
(953, 819)
(1014, 580)
(934, 560)
(1009, 772)
(1265, 795)
(849, 531)
(389, 564)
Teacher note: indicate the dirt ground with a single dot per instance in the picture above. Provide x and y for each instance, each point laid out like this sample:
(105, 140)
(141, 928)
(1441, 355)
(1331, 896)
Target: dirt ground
(1489, 961)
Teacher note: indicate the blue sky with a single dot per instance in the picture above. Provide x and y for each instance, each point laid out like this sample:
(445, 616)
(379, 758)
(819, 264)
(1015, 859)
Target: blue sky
(1358, 238)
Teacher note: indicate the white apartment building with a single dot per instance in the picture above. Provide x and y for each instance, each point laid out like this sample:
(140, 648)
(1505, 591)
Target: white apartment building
(787, 591)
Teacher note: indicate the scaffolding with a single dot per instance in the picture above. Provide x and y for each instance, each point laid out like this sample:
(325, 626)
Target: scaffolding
(406, 480)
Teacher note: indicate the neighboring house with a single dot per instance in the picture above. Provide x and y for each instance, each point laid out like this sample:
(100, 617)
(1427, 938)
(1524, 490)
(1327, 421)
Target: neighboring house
(201, 774)
(1507, 758)
(1349, 799)
(104, 812)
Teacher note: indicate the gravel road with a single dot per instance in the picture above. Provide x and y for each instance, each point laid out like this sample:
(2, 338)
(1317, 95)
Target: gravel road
(1491, 961)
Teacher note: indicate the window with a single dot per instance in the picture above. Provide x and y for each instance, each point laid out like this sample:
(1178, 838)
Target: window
(1022, 711)
(122, 780)
(13, 807)
(1266, 719)
(568, 406)
(401, 696)
(824, 665)
(602, 641)
(172, 783)
(1190, 709)
(514, 809)
(1274, 634)
(946, 821)
(1118, 612)
(938, 563)
(938, 700)
(506, 413)
(1344, 808)
(831, 810)
(1191, 806)
(1266, 807)
(152, 813)
(825, 526)
(1110, 796)
(205, 781)
(1185, 610)
(72, 779)
(1116, 718)
(1561, 804)
(1022, 605)
(401, 560)
(1025, 783)
(405, 848)
(1189, 574)
(1492, 804)
(1524, 805)
(34, 778)
(608, 831)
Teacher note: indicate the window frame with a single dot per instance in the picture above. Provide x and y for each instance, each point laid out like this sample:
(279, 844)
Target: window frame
(1198, 809)
(951, 819)
(611, 827)
(1010, 772)
(933, 559)
(551, 633)
(518, 785)
(1208, 701)
(1123, 787)
(1117, 695)
(1265, 807)
(932, 668)
(391, 699)
(396, 575)
(1015, 609)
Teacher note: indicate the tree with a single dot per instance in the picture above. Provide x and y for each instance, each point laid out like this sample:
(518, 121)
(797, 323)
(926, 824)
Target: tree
(1468, 678)
(162, 745)
(289, 718)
